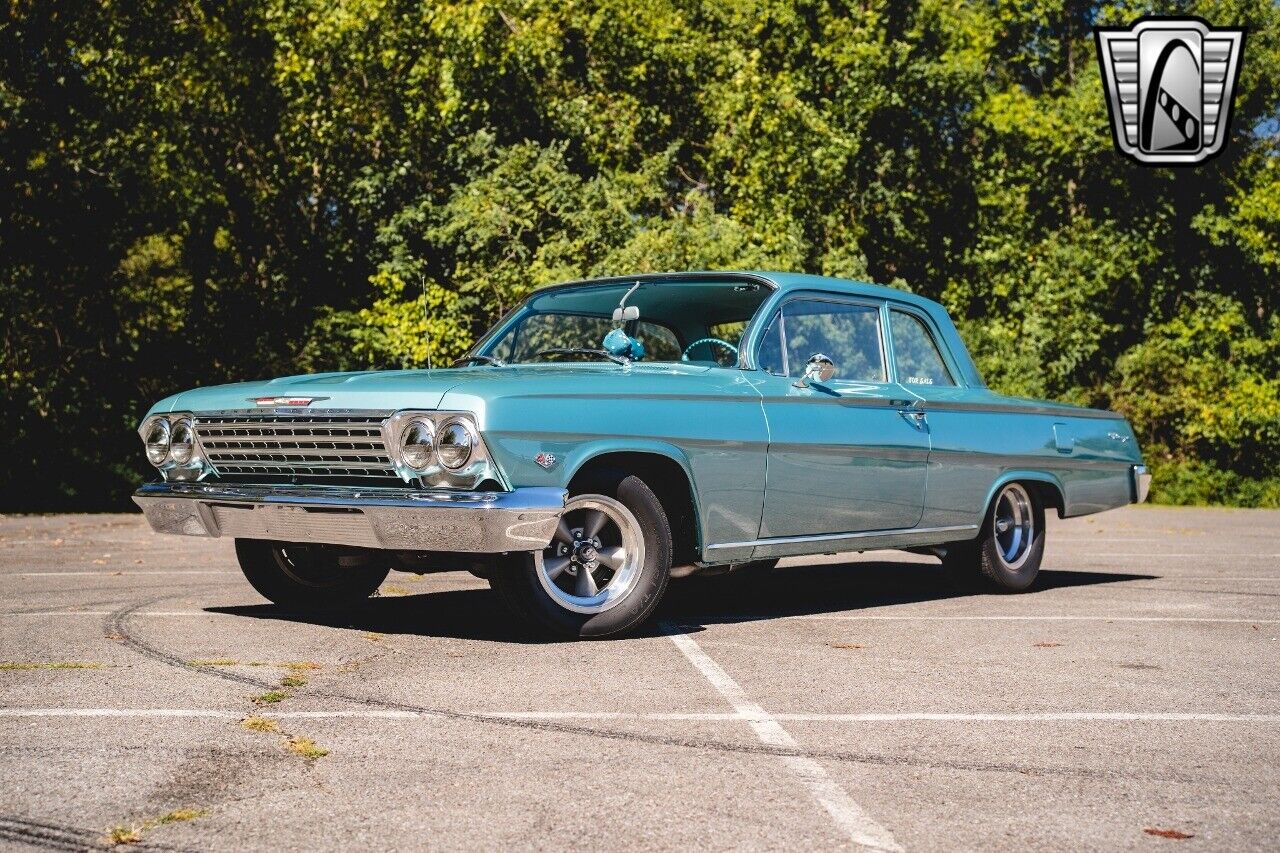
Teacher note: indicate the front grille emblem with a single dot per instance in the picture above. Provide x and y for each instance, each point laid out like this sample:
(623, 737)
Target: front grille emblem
(286, 402)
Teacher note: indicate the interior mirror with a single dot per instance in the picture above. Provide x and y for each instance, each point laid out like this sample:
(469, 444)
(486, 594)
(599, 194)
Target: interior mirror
(631, 312)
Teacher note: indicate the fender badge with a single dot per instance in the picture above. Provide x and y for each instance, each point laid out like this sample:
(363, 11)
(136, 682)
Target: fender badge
(546, 460)
(285, 401)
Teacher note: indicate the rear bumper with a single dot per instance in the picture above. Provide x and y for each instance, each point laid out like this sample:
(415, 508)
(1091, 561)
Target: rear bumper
(472, 522)
(1141, 483)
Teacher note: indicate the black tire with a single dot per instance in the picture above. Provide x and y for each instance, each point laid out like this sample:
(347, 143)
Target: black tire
(990, 562)
(522, 585)
(307, 577)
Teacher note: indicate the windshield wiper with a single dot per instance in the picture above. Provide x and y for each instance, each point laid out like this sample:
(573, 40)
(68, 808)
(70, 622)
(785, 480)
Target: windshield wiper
(583, 351)
(483, 359)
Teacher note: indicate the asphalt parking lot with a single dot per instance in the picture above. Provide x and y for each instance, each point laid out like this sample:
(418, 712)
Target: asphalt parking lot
(1132, 700)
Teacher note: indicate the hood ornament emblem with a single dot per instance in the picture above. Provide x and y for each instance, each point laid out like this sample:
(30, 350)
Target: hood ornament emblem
(285, 401)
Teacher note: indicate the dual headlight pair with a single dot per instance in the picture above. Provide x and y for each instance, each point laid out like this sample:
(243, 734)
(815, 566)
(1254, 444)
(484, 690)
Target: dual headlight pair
(451, 445)
(170, 440)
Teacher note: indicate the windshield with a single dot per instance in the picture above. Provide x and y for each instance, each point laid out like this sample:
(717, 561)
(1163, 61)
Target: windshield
(698, 321)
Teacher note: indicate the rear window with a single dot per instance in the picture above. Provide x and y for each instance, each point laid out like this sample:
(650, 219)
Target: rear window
(916, 354)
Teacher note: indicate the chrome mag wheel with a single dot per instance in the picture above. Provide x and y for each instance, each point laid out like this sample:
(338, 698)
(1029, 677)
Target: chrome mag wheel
(596, 555)
(1014, 525)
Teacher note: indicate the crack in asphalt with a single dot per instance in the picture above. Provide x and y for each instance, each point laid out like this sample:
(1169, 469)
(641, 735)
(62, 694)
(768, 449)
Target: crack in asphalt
(118, 622)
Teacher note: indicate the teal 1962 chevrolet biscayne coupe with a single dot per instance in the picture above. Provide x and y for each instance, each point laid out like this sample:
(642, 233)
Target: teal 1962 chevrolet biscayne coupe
(608, 435)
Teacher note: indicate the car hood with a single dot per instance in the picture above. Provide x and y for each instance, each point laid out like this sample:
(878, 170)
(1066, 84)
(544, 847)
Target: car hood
(371, 389)
(426, 389)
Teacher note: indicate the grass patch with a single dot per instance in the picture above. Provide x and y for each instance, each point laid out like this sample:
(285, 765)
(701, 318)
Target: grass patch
(296, 665)
(214, 662)
(305, 747)
(260, 724)
(123, 835)
(300, 665)
(293, 681)
(57, 664)
(271, 697)
(118, 835)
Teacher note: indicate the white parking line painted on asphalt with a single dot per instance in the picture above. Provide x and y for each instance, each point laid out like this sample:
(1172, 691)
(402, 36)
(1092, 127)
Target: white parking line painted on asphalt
(1160, 555)
(848, 815)
(108, 613)
(681, 716)
(907, 617)
(126, 573)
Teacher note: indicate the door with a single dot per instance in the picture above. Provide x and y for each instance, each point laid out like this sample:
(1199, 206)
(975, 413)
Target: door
(846, 454)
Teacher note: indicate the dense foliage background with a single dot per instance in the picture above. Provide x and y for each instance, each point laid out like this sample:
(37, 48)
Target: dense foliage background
(195, 192)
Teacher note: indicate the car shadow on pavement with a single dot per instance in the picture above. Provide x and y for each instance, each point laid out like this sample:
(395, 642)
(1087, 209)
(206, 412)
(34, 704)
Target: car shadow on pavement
(830, 588)
(803, 590)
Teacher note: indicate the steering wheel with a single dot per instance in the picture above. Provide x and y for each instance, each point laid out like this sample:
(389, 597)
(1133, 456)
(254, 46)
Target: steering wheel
(685, 355)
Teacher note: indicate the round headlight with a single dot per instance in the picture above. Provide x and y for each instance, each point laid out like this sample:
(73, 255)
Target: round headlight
(182, 442)
(416, 444)
(454, 445)
(157, 442)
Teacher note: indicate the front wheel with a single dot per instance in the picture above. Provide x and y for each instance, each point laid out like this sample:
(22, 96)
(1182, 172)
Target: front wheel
(605, 570)
(1007, 553)
(308, 577)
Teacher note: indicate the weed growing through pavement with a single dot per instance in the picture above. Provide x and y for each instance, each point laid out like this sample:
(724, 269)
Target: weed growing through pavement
(271, 697)
(293, 681)
(57, 664)
(260, 724)
(123, 835)
(305, 747)
(133, 834)
(297, 744)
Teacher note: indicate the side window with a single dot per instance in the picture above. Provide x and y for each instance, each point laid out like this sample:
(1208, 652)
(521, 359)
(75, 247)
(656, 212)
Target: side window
(848, 334)
(914, 352)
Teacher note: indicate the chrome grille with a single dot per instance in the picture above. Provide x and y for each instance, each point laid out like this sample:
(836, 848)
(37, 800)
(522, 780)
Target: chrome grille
(302, 447)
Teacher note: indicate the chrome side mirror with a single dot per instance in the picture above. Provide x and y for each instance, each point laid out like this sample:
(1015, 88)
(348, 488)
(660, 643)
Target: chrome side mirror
(819, 369)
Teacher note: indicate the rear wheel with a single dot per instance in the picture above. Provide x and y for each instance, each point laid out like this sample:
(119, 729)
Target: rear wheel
(605, 570)
(1007, 553)
(309, 577)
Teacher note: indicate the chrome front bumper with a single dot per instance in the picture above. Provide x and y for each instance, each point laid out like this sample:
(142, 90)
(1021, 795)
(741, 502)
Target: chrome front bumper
(398, 519)
(1141, 483)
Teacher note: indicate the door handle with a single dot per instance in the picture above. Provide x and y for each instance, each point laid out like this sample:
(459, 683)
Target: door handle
(915, 417)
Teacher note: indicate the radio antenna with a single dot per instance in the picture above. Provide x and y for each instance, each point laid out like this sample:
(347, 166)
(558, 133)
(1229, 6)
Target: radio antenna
(426, 318)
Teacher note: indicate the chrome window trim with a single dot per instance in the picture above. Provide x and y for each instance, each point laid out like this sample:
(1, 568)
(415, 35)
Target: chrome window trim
(930, 328)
